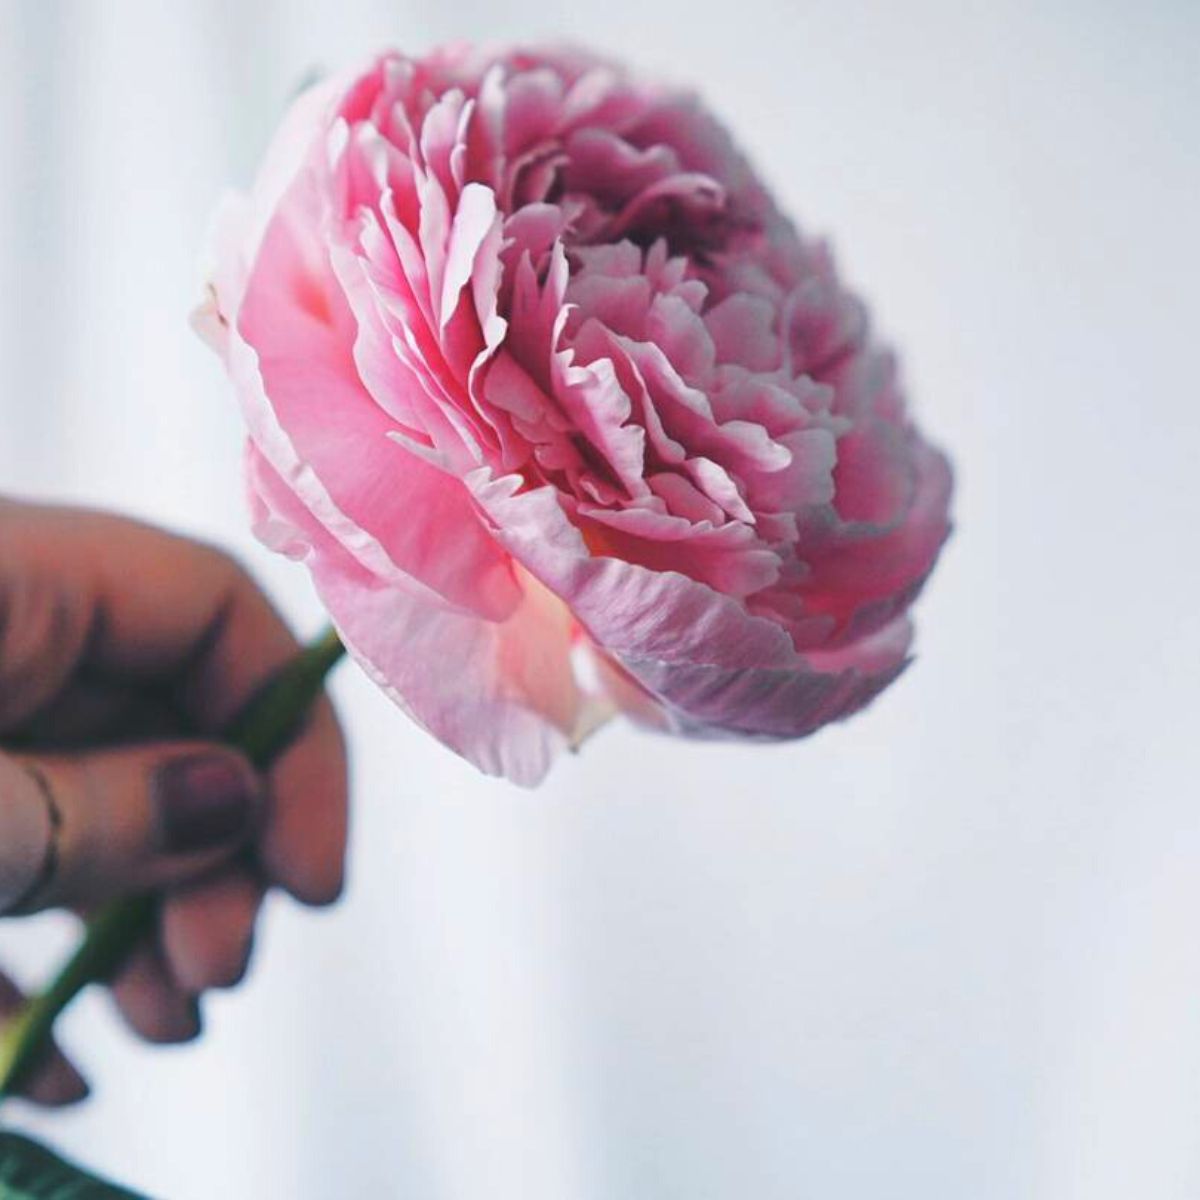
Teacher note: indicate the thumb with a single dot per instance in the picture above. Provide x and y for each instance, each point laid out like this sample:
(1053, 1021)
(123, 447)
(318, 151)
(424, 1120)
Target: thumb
(78, 830)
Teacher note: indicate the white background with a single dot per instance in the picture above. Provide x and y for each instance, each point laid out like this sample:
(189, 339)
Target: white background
(947, 950)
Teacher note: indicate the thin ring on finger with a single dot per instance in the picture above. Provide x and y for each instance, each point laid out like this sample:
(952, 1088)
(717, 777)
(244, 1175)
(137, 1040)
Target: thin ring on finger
(27, 901)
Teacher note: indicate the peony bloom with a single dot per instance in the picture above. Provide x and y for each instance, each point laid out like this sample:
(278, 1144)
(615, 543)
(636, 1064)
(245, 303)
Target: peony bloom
(563, 414)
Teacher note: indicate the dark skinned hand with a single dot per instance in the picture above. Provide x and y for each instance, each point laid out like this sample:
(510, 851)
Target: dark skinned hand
(122, 649)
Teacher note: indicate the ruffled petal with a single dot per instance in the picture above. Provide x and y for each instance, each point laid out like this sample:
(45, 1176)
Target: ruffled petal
(323, 432)
(502, 694)
(714, 669)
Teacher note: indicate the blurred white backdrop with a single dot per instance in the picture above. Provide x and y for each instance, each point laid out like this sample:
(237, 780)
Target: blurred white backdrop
(948, 949)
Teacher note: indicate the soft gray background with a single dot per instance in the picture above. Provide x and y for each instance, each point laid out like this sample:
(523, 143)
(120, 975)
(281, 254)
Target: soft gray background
(948, 950)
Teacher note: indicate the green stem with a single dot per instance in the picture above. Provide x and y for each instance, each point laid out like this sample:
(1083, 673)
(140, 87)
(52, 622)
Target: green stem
(267, 723)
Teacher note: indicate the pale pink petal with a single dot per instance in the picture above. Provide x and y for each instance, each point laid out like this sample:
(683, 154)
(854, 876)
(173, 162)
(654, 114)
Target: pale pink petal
(501, 694)
(300, 378)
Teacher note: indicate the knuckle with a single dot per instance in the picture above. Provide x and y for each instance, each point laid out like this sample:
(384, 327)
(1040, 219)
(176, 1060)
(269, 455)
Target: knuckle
(43, 630)
(222, 570)
(226, 567)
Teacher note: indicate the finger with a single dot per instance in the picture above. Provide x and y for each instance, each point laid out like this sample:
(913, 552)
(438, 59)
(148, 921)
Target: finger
(130, 820)
(208, 929)
(196, 619)
(132, 602)
(303, 840)
(89, 710)
(67, 581)
(303, 843)
(27, 834)
(45, 625)
(54, 1081)
(150, 1000)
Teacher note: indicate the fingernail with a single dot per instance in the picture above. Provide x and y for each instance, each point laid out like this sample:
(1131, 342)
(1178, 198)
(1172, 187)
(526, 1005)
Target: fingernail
(204, 800)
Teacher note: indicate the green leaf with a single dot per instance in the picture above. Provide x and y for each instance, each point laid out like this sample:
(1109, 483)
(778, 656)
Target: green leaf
(31, 1172)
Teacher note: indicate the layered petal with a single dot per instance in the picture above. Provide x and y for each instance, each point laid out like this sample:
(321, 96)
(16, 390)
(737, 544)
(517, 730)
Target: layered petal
(712, 668)
(501, 693)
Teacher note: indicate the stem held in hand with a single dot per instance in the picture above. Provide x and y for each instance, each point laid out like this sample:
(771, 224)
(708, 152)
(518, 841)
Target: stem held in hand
(264, 727)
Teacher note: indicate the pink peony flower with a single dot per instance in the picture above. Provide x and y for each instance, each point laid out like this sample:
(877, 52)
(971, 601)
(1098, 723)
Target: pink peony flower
(563, 414)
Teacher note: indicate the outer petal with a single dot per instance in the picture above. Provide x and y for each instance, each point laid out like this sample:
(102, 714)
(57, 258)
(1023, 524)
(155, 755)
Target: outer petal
(240, 220)
(714, 669)
(311, 416)
(501, 694)
(771, 704)
(865, 582)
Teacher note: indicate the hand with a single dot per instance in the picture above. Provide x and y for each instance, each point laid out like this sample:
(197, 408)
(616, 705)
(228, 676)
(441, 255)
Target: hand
(122, 648)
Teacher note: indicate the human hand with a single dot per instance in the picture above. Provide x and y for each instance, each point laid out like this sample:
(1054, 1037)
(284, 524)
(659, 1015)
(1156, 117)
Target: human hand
(122, 648)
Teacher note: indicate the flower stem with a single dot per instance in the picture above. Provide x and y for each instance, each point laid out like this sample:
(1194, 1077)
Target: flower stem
(264, 726)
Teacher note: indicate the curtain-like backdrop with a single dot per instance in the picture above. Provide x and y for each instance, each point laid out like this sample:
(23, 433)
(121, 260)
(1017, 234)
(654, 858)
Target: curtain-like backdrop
(945, 951)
